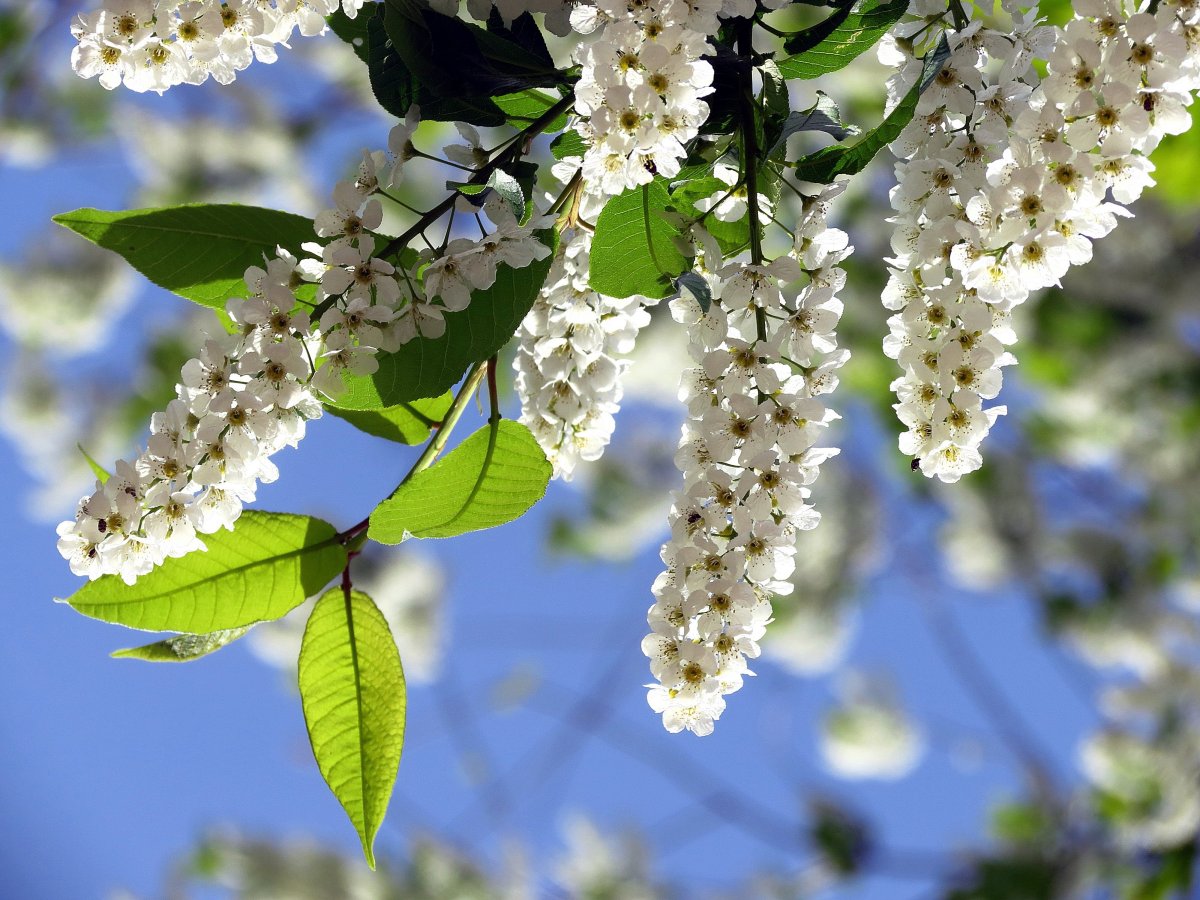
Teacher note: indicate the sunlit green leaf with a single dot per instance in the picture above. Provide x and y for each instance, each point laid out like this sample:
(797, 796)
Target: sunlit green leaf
(838, 40)
(200, 251)
(353, 694)
(633, 249)
(259, 571)
(493, 477)
(405, 423)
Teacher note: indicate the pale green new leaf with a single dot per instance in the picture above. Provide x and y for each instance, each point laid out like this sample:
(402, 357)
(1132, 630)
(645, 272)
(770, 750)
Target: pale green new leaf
(633, 249)
(200, 251)
(182, 647)
(405, 423)
(259, 571)
(493, 477)
(352, 691)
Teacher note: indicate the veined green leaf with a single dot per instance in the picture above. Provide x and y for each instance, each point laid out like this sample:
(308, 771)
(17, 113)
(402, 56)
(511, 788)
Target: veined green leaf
(353, 694)
(836, 41)
(259, 571)
(569, 143)
(493, 477)
(404, 423)
(827, 164)
(201, 250)
(732, 236)
(525, 106)
(633, 249)
(182, 647)
(427, 367)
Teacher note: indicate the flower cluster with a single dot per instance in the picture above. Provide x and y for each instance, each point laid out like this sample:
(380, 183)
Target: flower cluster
(151, 45)
(765, 351)
(250, 393)
(572, 351)
(641, 86)
(1004, 183)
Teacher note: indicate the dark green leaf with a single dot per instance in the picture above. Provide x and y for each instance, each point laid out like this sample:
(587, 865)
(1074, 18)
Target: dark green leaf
(633, 249)
(405, 423)
(839, 39)
(776, 105)
(429, 367)
(259, 571)
(493, 477)
(353, 694)
(823, 116)
(200, 251)
(694, 284)
(396, 88)
(827, 164)
(182, 647)
(453, 58)
(353, 31)
(524, 32)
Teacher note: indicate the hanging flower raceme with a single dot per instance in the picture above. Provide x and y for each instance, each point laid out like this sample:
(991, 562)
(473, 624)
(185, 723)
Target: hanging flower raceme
(572, 351)
(765, 351)
(1003, 185)
(640, 88)
(251, 393)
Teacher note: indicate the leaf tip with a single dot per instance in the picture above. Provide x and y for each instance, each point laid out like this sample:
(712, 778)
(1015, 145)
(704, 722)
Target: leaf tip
(368, 851)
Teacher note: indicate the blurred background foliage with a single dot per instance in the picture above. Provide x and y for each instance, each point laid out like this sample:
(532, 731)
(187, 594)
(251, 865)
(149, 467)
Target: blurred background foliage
(1086, 513)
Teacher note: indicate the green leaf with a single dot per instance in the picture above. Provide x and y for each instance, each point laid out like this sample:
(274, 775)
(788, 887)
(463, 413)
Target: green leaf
(569, 143)
(102, 474)
(836, 41)
(694, 284)
(524, 107)
(492, 477)
(827, 164)
(352, 31)
(823, 116)
(732, 236)
(499, 181)
(259, 571)
(633, 249)
(353, 694)
(405, 423)
(397, 88)
(429, 367)
(182, 647)
(775, 105)
(200, 251)
(453, 58)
